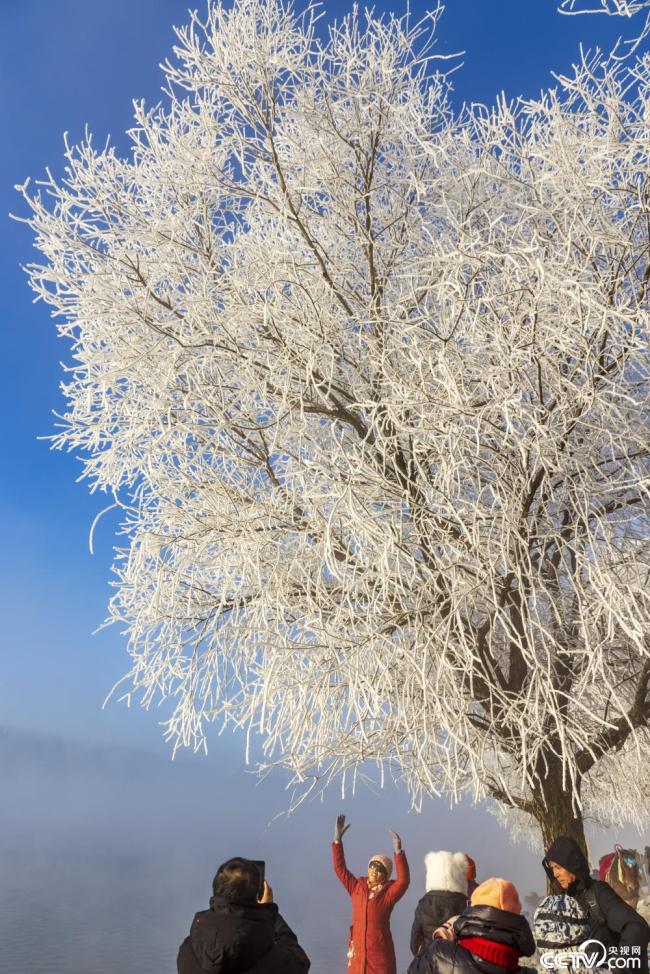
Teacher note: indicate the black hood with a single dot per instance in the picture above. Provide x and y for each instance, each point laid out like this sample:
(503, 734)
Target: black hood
(501, 926)
(252, 912)
(567, 853)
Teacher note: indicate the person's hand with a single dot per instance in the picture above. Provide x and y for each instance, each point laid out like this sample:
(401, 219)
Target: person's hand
(267, 894)
(446, 931)
(397, 842)
(340, 828)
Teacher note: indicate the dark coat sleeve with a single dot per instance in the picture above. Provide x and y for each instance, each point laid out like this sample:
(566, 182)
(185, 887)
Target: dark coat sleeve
(427, 961)
(421, 965)
(282, 932)
(417, 930)
(622, 918)
(287, 942)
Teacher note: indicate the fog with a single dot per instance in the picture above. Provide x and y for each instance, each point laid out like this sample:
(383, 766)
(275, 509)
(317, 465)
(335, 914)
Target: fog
(106, 853)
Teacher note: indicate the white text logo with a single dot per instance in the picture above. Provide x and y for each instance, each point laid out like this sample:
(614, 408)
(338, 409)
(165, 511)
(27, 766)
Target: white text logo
(592, 955)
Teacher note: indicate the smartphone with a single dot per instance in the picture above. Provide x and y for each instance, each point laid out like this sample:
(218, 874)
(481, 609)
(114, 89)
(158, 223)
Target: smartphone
(261, 867)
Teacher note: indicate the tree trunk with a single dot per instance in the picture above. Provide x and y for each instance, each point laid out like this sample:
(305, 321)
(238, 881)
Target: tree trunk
(558, 818)
(553, 810)
(553, 803)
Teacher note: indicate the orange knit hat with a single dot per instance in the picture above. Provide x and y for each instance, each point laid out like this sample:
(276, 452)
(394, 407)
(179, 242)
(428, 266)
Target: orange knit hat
(498, 893)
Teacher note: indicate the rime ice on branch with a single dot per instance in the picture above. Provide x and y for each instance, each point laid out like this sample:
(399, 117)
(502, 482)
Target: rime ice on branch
(370, 381)
(612, 8)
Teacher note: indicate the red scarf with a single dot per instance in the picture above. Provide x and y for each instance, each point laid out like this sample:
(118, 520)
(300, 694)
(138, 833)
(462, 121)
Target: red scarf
(500, 954)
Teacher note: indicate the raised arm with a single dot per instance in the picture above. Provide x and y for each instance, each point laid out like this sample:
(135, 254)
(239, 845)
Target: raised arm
(397, 889)
(338, 855)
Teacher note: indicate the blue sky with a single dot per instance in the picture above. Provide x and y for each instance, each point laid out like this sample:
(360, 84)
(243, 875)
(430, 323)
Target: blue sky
(65, 64)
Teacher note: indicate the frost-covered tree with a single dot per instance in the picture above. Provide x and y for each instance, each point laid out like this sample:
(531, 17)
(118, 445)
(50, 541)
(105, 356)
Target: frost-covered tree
(369, 382)
(612, 8)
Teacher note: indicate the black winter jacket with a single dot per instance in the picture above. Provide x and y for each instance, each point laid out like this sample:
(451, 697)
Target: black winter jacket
(434, 908)
(500, 926)
(232, 938)
(613, 921)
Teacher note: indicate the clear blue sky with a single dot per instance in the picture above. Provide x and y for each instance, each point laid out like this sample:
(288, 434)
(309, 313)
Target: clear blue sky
(64, 64)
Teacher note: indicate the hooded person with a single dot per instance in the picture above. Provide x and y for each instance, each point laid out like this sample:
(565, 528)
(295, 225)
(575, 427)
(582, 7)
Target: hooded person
(370, 944)
(241, 931)
(490, 936)
(612, 921)
(445, 895)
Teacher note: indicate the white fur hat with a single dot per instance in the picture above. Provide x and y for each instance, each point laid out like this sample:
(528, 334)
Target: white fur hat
(446, 871)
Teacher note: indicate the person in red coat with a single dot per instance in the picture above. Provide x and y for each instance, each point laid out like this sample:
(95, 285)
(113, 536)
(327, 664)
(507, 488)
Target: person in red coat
(471, 875)
(370, 948)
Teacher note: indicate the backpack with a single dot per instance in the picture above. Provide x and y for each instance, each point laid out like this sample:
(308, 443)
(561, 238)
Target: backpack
(560, 922)
(621, 870)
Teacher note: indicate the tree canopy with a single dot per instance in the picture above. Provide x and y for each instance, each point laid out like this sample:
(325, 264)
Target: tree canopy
(368, 379)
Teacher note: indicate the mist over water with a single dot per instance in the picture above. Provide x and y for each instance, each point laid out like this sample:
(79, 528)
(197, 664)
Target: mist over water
(107, 853)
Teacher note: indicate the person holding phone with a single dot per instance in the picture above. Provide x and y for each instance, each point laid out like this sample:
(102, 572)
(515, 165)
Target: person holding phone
(370, 945)
(261, 872)
(243, 929)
